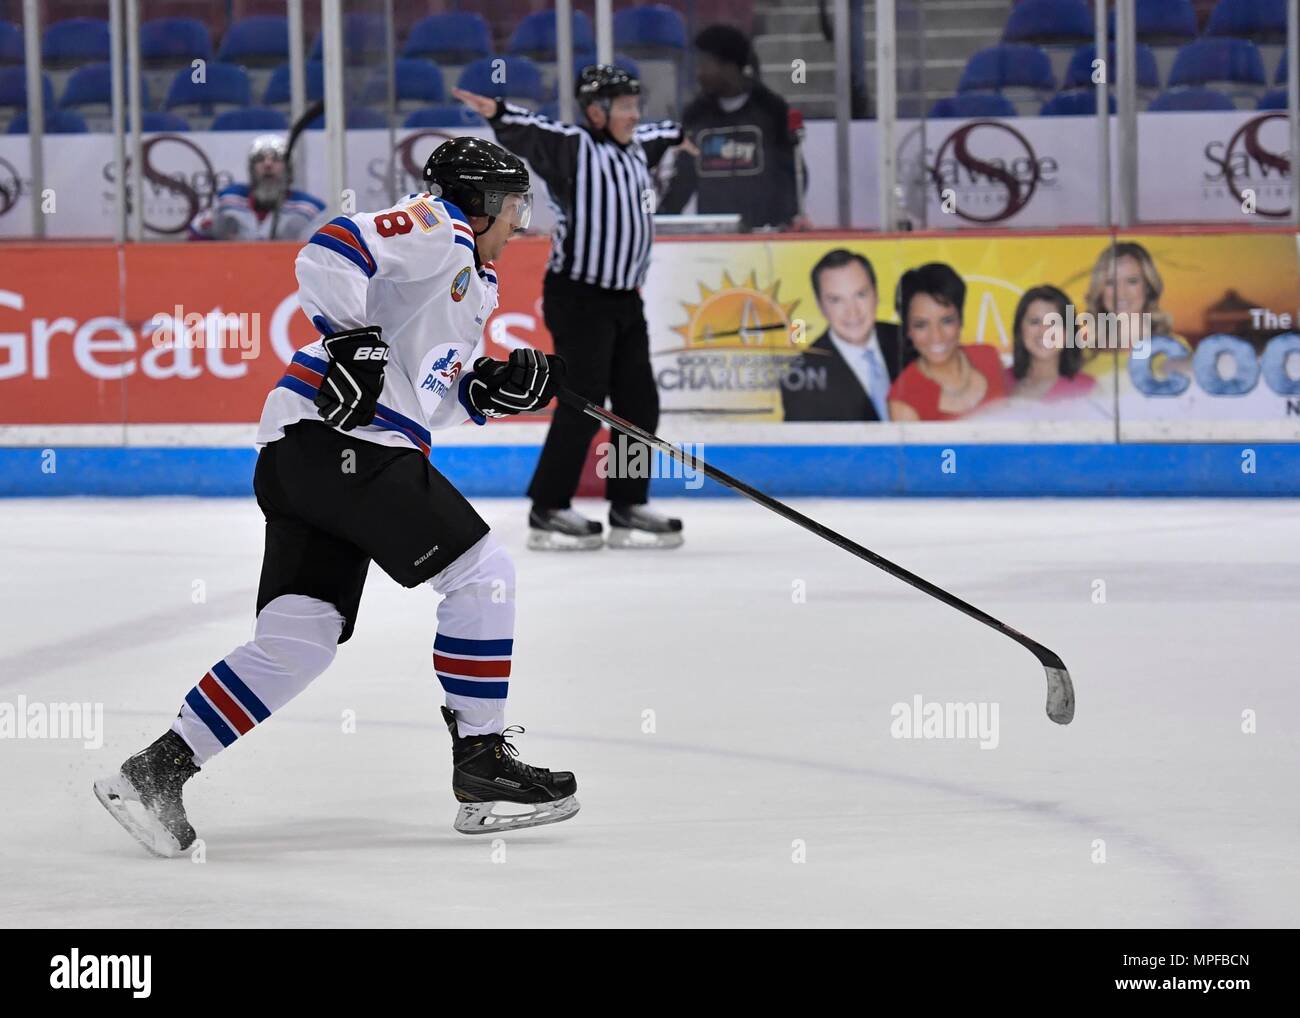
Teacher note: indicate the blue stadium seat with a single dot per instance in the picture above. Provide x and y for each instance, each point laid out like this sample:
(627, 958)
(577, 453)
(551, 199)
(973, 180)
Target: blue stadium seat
(258, 39)
(416, 80)
(225, 84)
(156, 122)
(452, 38)
(1260, 20)
(583, 60)
(535, 35)
(365, 39)
(523, 79)
(277, 87)
(174, 40)
(56, 122)
(1014, 65)
(446, 115)
(973, 104)
(1274, 100)
(11, 44)
(1190, 100)
(92, 85)
(75, 41)
(1162, 21)
(250, 118)
(13, 88)
(650, 26)
(1049, 21)
(358, 117)
(1218, 60)
(1078, 103)
(1079, 73)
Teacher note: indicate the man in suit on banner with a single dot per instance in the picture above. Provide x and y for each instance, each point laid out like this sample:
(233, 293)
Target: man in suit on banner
(846, 373)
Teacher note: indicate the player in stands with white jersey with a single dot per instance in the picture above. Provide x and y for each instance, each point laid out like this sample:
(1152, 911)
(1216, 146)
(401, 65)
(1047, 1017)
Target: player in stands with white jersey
(267, 207)
(400, 298)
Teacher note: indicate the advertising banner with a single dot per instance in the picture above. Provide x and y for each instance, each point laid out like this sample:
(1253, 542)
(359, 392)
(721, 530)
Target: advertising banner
(1156, 331)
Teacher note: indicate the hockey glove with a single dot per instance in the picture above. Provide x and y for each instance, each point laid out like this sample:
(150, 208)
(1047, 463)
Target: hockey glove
(350, 390)
(524, 383)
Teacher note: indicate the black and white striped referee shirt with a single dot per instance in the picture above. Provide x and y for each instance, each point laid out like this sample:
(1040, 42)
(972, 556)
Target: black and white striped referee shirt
(601, 192)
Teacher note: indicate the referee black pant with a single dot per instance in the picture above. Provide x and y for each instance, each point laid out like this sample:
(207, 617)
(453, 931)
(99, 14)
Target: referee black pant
(602, 336)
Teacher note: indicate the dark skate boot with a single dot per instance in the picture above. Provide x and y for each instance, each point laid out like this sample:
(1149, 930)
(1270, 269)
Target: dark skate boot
(562, 530)
(151, 781)
(635, 526)
(486, 776)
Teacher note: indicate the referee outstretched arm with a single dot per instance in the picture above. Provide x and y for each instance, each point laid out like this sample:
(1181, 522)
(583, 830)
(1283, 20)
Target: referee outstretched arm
(601, 187)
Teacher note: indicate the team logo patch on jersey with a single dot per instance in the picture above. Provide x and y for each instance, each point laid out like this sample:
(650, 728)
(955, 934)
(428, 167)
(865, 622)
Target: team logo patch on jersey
(438, 373)
(424, 214)
(460, 284)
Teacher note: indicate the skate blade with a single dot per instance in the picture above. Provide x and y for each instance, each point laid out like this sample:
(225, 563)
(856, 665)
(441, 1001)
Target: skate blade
(551, 540)
(479, 818)
(626, 537)
(114, 793)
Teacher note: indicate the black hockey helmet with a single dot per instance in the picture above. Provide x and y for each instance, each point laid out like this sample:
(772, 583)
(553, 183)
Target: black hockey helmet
(477, 176)
(604, 81)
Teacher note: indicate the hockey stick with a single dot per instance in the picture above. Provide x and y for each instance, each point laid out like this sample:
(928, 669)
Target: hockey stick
(306, 117)
(1060, 690)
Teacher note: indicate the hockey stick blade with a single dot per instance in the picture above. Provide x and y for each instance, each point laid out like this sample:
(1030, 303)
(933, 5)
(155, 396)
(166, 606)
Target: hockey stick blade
(1060, 689)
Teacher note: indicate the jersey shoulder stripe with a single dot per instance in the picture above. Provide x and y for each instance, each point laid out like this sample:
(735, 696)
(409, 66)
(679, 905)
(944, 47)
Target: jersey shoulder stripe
(342, 236)
(454, 211)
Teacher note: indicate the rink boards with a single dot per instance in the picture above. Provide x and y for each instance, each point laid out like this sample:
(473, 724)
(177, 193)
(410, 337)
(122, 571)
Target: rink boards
(140, 369)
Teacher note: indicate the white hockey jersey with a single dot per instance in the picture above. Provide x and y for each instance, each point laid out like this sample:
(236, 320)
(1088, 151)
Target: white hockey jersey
(234, 217)
(411, 271)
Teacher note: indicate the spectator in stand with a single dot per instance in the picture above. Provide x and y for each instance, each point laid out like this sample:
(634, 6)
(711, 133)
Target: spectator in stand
(267, 207)
(746, 160)
(1042, 370)
(948, 380)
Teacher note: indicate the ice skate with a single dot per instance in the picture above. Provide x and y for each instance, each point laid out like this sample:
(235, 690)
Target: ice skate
(562, 530)
(635, 526)
(145, 796)
(497, 792)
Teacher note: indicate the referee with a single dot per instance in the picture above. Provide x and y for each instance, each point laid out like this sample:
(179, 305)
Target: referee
(599, 178)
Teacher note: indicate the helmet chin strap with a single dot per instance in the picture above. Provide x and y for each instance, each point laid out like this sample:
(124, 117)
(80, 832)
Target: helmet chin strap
(605, 105)
(478, 262)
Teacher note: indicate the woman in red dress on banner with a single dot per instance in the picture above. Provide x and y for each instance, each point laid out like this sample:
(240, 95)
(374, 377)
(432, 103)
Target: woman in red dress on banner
(948, 380)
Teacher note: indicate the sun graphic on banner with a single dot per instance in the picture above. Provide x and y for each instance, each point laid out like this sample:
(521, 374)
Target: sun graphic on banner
(738, 317)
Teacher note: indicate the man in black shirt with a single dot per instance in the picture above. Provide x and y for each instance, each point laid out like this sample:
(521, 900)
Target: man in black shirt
(746, 160)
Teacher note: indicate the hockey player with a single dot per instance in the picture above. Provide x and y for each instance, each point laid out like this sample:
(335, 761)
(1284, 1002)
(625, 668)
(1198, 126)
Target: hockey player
(343, 477)
(266, 208)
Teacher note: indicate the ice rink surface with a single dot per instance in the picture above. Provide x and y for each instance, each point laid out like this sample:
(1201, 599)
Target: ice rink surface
(771, 662)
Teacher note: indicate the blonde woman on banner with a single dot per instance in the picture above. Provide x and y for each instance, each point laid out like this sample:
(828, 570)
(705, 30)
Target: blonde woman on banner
(1126, 283)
